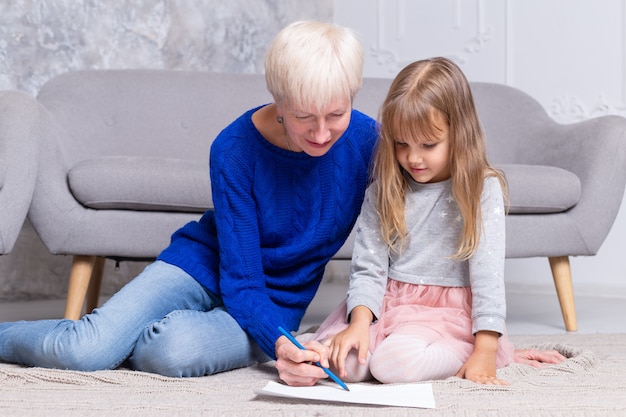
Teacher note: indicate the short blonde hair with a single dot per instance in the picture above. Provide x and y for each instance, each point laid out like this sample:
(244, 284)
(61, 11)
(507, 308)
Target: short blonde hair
(312, 63)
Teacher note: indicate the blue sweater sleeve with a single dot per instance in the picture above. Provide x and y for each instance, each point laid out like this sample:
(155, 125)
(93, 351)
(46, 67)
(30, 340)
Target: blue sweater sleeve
(242, 277)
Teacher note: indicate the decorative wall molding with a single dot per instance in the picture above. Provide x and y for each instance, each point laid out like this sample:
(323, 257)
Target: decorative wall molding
(571, 108)
(475, 44)
(393, 60)
(393, 45)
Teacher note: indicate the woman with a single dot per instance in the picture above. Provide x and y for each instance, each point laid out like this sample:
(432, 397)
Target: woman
(288, 180)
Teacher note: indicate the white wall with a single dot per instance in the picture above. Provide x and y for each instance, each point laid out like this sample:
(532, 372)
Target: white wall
(568, 54)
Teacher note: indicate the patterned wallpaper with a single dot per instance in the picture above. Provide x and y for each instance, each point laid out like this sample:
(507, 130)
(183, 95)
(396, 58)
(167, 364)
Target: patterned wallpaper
(43, 38)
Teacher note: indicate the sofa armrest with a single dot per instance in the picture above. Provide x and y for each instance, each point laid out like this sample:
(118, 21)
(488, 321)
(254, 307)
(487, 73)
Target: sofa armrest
(19, 139)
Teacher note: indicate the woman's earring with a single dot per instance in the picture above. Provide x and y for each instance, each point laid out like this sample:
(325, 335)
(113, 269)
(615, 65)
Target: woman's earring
(279, 119)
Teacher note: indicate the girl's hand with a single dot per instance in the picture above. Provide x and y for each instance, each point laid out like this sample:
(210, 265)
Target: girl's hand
(356, 336)
(295, 366)
(342, 343)
(481, 365)
(481, 369)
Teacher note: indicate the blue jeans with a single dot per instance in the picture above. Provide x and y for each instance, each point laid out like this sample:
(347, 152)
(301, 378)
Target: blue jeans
(163, 321)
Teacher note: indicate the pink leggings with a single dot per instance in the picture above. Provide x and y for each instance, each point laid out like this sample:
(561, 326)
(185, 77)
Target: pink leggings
(410, 354)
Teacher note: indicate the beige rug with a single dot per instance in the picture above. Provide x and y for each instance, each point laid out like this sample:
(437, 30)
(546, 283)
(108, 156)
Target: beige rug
(591, 383)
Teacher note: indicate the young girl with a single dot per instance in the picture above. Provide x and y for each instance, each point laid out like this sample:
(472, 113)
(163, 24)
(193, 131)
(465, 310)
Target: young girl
(426, 296)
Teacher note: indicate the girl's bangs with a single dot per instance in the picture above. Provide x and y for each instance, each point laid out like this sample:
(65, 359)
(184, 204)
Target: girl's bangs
(414, 124)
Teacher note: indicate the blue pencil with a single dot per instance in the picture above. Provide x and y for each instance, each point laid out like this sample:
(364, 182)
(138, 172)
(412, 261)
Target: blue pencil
(328, 371)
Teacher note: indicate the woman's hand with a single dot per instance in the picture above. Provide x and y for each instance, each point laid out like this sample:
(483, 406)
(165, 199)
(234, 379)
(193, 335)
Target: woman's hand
(481, 365)
(296, 366)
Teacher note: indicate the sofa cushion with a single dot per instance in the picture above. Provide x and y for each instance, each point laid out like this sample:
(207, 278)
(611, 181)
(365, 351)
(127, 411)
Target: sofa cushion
(161, 184)
(136, 183)
(541, 189)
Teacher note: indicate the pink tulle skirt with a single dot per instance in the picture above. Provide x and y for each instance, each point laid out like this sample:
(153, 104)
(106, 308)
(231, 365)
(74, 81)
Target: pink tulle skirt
(420, 309)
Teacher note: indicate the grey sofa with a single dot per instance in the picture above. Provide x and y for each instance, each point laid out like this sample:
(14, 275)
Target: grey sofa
(18, 163)
(124, 164)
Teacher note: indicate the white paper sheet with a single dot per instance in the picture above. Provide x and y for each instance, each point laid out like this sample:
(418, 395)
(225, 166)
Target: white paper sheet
(401, 395)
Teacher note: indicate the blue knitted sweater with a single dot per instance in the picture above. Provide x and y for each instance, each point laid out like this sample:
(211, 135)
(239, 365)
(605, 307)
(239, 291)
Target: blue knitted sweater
(279, 217)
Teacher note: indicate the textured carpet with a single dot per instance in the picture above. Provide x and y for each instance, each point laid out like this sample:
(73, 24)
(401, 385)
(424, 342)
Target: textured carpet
(591, 383)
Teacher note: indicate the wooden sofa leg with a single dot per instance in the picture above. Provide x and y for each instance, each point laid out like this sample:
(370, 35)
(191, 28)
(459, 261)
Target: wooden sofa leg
(80, 275)
(95, 283)
(562, 275)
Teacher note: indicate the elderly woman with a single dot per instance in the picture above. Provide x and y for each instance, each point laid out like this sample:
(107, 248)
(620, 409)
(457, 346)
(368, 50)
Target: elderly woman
(288, 180)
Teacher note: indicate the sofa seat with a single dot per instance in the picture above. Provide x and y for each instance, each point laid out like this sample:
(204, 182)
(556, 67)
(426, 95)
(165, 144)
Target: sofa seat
(540, 189)
(161, 184)
(141, 183)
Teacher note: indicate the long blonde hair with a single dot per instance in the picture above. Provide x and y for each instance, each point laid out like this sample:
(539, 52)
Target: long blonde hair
(421, 90)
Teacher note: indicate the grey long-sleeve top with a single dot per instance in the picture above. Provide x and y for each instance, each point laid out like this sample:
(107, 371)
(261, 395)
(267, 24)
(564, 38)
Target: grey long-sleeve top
(434, 224)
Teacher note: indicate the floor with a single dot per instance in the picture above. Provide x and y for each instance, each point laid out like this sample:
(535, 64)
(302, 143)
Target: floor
(535, 312)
